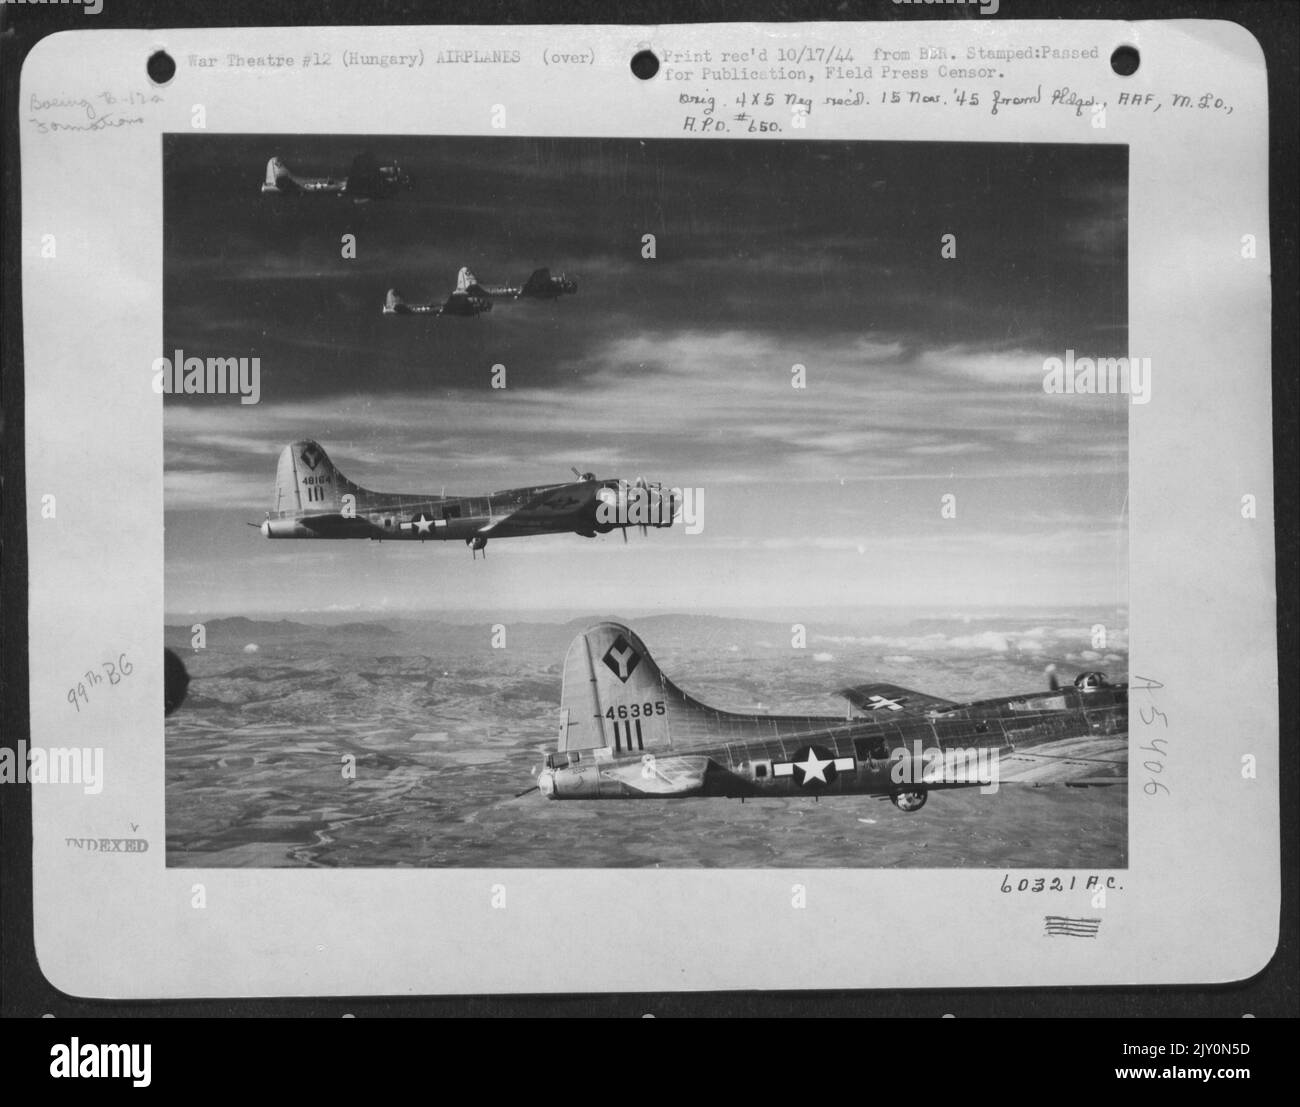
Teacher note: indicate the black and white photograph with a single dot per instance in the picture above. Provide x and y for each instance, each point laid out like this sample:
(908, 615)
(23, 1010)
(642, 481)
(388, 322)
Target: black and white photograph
(760, 493)
(732, 481)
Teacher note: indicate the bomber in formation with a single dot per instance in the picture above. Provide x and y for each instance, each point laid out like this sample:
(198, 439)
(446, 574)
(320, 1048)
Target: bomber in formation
(366, 180)
(471, 297)
(314, 500)
(628, 732)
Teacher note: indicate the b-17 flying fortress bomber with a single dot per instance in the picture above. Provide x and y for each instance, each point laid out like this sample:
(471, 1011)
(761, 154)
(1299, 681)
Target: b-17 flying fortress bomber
(467, 300)
(314, 500)
(471, 297)
(366, 180)
(628, 732)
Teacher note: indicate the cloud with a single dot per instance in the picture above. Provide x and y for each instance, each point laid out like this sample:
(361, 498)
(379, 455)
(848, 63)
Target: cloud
(1015, 367)
(918, 381)
(1037, 640)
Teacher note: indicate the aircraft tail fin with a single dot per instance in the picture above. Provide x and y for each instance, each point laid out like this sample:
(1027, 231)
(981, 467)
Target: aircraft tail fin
(394, 303)
(616, 696)
(277, 175)
(465, 279)
(307, 483)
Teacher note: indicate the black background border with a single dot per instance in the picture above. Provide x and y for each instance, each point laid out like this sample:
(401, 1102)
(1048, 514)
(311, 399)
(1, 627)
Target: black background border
(1273, 992)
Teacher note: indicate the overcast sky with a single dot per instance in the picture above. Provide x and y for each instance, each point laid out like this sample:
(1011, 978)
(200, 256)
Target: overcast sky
(924, 374)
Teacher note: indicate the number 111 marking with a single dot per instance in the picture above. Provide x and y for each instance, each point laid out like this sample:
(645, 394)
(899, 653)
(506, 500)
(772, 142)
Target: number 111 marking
(627, 732)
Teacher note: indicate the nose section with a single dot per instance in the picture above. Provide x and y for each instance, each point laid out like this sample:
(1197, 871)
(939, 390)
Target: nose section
(546, 783)
(265, 528)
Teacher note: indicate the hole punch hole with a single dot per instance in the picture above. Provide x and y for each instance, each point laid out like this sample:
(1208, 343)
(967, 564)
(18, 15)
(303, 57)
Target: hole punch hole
(1125, 60)
(644, 64)
(160, 67)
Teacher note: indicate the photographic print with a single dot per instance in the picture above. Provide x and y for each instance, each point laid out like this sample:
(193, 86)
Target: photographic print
(755, 479)
(727, 485)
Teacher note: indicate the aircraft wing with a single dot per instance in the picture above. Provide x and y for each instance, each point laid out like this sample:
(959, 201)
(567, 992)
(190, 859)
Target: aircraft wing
(660, 776)
(890, 701)
(1089, 760)
(548, 507)
(363, 178)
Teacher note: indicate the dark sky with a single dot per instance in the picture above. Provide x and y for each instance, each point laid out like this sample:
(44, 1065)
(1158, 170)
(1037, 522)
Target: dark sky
(924, 374)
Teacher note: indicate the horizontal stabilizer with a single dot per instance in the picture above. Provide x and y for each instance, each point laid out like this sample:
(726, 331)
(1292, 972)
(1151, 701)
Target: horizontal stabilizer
(661, 776)
(892, 702)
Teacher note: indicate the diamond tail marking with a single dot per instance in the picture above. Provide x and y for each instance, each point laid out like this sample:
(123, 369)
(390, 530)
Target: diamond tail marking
(621, 659)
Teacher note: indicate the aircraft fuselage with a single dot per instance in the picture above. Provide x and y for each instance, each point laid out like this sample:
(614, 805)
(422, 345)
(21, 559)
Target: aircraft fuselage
(419, 518)
(776, 756)
(312, 499)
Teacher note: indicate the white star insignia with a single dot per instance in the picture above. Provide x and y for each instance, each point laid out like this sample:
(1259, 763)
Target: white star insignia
(423, 523)
(814, 768)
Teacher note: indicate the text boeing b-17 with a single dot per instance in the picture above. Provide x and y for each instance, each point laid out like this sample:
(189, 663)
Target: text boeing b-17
(628, 732)
(314, 500)
(471, 297)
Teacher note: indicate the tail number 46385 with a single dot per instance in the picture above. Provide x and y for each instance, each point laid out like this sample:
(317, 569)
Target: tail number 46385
(635, 710)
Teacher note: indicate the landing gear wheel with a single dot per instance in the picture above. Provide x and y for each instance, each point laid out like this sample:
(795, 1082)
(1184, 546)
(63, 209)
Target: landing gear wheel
(909, 801)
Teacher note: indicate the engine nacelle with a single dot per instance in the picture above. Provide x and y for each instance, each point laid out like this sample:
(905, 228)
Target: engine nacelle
(634, 505)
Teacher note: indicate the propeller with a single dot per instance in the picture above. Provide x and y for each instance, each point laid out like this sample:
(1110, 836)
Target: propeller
(643, 488)
(581, 476)
(1052, 682)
